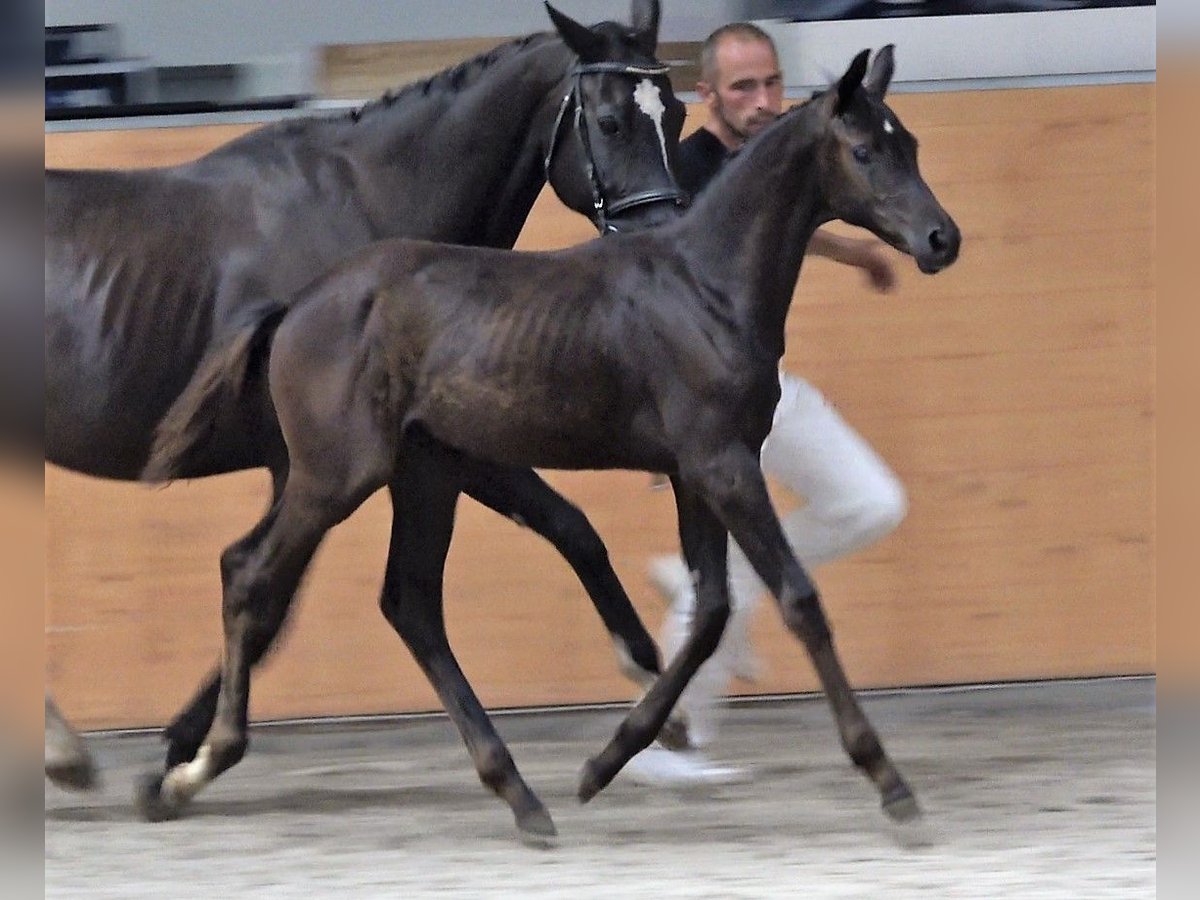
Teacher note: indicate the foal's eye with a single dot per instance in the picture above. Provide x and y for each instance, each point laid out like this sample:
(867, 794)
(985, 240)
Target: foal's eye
(609, 125)
(861, 153)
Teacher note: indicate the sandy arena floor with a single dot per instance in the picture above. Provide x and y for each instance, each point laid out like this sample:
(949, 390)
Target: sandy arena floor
(1029, 791)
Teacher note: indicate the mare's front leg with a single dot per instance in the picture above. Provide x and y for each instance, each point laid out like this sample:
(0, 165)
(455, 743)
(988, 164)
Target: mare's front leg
(733, 485)
(522, 495)
(705, 544)
(424, 495)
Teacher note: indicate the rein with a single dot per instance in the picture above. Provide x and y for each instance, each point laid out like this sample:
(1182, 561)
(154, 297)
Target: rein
(605, 207)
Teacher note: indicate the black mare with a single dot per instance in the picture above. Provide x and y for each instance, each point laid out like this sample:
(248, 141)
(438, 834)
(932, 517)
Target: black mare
(410, 361)
(148, 270)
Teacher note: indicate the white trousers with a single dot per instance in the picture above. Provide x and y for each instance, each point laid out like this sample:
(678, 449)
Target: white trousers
(852, 499)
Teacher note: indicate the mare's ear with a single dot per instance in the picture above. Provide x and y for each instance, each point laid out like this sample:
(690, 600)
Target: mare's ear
(850, 82)
(645, 18)
(880, 76)
(588, 45)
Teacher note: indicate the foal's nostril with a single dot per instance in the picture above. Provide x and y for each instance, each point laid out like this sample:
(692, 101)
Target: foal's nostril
(937, 241)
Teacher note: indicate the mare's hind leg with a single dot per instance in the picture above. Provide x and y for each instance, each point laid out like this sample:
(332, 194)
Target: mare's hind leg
(522, 495)
(705, 543)
(423, 500)
(260, 575)
(68, 763)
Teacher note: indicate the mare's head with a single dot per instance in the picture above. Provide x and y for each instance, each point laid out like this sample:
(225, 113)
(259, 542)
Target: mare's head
(610, 154)
(868, 167)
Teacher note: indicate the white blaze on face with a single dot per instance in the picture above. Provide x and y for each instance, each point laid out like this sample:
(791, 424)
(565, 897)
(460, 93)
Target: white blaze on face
(649, 100)
(887, 125)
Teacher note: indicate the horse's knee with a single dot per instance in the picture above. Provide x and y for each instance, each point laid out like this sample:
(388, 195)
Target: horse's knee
(805, 618)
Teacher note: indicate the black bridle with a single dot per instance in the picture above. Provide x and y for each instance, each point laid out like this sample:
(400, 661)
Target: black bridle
(606, 207)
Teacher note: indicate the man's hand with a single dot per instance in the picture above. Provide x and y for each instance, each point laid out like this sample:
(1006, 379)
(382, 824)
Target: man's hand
(866, 254)
(879, 269)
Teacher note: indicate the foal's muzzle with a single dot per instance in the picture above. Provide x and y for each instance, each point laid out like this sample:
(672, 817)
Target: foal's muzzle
(938, 247)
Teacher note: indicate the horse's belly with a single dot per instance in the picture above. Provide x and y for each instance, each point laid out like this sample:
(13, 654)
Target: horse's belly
(559, 433)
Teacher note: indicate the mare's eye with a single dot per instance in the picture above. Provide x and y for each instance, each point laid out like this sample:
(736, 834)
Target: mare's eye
(609, 125)
(861, 153)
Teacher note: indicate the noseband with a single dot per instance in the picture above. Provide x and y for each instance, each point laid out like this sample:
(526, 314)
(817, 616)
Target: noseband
(606, 207)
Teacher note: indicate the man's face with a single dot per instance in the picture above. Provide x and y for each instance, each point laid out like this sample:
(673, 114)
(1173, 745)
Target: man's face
(746, 93)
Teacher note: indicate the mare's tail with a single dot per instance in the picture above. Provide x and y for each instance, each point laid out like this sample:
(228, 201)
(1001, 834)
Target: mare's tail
(213, 390)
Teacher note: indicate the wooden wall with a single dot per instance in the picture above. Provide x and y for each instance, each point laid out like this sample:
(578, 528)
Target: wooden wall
(1013, 394)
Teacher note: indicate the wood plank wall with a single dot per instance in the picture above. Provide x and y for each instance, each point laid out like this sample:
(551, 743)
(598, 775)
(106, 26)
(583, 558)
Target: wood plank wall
(1013, 394)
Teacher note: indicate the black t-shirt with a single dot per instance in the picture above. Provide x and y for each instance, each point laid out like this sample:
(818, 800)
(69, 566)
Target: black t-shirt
(701, 156)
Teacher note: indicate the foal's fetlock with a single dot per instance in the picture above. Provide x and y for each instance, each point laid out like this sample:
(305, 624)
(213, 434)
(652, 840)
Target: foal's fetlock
(495, 767)
(864, 749)
(225, 751)
(183, 742)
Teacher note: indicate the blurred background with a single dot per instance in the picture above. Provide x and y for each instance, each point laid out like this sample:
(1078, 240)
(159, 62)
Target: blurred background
(109, 58)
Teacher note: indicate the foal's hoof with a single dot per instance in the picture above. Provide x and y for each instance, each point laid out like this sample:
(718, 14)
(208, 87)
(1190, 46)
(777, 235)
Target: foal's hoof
(74, 774)
(151, 803)
(536, 829)
(900, 804)
(592, 781)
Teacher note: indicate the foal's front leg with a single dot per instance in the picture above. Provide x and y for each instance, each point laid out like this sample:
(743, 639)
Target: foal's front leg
(187, 730)
(705, 544)
(734, 486)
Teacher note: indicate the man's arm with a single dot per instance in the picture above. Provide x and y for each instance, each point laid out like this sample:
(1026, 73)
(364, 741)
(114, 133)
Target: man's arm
(862, 253)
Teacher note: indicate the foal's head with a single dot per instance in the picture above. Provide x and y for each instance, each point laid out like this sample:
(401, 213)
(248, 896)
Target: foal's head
(611, 152)
(868, 167)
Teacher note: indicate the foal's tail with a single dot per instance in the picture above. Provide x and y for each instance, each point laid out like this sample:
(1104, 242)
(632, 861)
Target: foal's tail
(213, 391)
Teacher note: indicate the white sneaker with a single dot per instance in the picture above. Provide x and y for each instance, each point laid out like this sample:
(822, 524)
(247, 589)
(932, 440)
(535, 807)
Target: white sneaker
(656, 766)
(670, 575)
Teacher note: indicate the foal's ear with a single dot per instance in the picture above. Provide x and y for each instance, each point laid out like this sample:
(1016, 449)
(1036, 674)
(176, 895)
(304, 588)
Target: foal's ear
(850, 82)
(645, 23)
(588, 45)
(880, 76)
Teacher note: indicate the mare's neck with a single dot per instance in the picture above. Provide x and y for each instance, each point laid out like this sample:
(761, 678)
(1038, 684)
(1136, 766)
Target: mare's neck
(461, 153)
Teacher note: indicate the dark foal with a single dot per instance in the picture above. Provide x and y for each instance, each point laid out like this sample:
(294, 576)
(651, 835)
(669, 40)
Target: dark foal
(149, 270)
(657, 351)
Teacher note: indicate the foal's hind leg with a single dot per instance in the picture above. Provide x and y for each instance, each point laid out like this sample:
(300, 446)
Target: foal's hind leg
(522, 495)
(260, 575)
(423, 500)
(186, 732)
